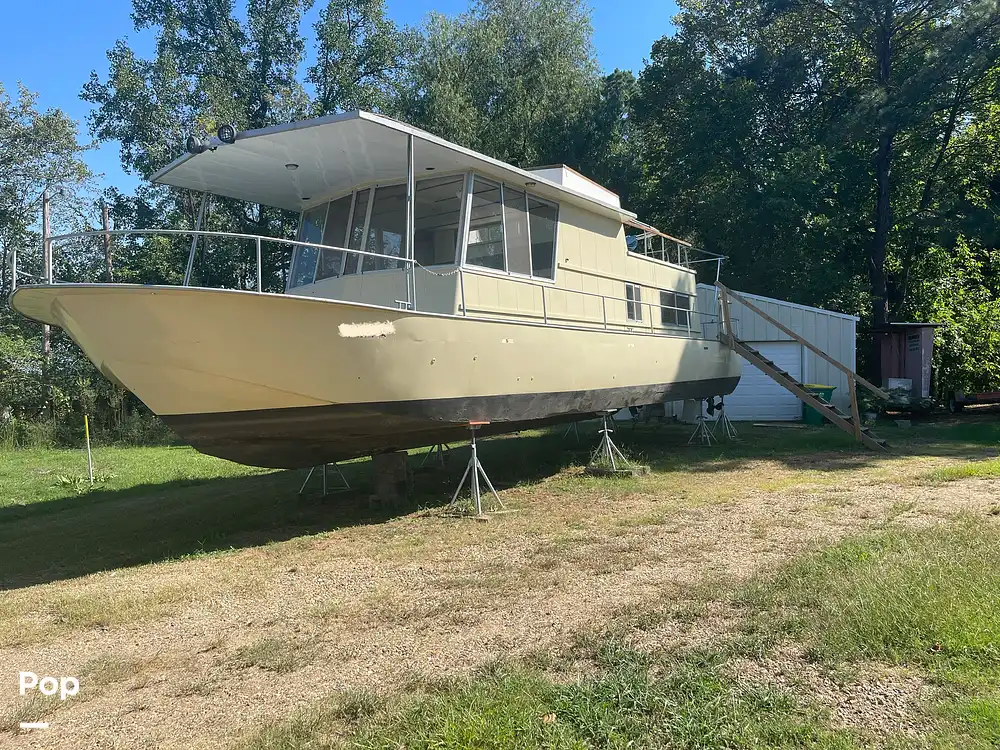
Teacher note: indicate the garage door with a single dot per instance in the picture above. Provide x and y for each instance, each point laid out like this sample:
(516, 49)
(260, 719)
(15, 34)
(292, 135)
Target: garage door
(757, 397)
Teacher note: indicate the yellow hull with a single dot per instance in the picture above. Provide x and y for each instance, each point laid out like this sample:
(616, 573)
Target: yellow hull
(279, 380)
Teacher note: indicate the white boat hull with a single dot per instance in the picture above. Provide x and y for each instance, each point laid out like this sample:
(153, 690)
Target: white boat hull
(285, 381)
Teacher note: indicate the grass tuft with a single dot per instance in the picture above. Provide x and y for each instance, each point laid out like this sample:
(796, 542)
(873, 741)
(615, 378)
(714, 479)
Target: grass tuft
(972, 470)
(632, 701)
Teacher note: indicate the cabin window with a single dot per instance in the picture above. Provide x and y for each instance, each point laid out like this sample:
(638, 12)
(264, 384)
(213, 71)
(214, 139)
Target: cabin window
(335, 233)
(304, 268)
(674, 308)
(543, 218)
(359, 221)
(387, 228)
(633, 304)
(437, 209)
(515, 228)
(485, 246)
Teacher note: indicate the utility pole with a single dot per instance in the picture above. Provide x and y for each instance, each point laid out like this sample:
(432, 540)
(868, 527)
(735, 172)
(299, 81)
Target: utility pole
(106, 224)
(47, 264)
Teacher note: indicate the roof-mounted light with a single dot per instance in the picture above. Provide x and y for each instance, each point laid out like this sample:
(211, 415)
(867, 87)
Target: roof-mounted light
(227, 134)
(291, 167)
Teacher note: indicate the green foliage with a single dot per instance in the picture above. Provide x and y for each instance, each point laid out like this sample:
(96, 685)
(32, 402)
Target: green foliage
(916, 597)
(960, 287)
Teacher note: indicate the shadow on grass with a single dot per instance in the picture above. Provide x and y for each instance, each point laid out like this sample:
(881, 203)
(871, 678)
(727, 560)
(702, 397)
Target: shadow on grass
(108, 529)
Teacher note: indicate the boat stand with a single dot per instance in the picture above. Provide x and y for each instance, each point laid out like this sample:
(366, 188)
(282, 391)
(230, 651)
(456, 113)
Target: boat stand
(438, 450)
(607, 459)
(326, 490)
(702, 434)
(473, 470)
(574, 428)
(722, 421)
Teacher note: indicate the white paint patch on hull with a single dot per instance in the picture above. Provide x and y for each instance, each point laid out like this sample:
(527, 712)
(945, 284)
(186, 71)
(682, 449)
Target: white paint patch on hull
(373, 330)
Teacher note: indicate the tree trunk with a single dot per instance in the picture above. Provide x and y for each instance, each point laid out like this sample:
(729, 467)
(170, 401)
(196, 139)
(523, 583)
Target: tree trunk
(883, 194)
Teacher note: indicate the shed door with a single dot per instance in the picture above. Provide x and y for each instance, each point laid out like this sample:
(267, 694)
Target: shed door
(757, 397)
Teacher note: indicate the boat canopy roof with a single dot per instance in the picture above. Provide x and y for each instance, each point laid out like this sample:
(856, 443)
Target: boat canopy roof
(297, 165)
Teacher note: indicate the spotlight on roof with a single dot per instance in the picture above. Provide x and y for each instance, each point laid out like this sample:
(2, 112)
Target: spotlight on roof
(291, 167)
(227, 134)
(530, 183)
(195, 145)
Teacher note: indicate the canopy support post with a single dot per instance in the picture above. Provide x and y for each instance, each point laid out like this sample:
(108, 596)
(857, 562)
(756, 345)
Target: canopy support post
(194, 240)
(411, 286)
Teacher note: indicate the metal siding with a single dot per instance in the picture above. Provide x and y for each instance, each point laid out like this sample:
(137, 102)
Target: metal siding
(832, 333)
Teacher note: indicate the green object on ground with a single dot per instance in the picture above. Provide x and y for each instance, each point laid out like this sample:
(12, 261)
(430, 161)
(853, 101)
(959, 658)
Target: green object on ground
(824, 392)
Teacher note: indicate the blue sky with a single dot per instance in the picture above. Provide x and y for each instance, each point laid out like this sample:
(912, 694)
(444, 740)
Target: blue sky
(51, 46)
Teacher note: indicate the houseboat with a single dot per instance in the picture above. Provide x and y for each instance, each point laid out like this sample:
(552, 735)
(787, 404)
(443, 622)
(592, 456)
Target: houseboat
(430, 286)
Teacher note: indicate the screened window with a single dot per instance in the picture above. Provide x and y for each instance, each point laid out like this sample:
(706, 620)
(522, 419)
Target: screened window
(437, 210)
(304, 267)
(387, 228)
(334, 234)
(674, 309)
(485, 246)
(515, 218)
(633, 304)
(357, 233)
(543, 218)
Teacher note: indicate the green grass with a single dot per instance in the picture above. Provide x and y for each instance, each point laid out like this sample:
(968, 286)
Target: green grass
(974, 469)
(632, 701)
(928, 599)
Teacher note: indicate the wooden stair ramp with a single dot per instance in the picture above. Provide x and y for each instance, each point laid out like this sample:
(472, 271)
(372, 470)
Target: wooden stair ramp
(850, 423)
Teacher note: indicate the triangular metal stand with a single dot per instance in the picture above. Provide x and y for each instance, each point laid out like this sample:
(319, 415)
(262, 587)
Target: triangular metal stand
(439, 451)
(702, 434)
(722, 421)
(606, 453)
(573, 428)
(326, 489)
(473, 471)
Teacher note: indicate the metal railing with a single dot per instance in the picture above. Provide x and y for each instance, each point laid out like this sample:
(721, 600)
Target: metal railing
(645, 321)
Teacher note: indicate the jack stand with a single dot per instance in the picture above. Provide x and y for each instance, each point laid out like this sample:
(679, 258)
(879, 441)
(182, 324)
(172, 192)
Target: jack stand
(326, 491)
(607, 459)
(439, 450)
(702, 434)
(575, 429)
(728, 429)
(472, 472)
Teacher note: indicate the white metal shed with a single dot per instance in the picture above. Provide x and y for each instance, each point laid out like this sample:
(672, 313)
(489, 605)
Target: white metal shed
(757, 397)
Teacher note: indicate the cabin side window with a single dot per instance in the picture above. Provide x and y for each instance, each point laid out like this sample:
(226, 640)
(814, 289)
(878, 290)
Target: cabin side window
(633, 303)
(674, 309)
(436, 214)
(511, 230)
(335, 233)
(304, 267)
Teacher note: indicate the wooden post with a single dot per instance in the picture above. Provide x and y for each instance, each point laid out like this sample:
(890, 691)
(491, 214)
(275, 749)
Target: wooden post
(47, 268)
(106, 224)
(855, 411)
(726, 320)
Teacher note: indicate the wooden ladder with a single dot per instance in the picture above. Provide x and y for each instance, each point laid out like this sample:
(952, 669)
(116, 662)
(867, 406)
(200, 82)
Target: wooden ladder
(850, 423)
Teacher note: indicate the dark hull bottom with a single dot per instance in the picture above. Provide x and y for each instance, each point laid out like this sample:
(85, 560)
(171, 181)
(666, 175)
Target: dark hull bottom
(310, 436)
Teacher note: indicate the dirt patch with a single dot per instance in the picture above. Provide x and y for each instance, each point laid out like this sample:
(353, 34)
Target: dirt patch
(873, 699)
(267, 630)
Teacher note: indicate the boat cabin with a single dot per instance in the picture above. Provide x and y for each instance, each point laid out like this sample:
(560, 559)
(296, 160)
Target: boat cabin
(543, 245)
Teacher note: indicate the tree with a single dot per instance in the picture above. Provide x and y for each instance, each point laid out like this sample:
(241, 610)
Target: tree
(514, 79)
(37, 150)
(361, 58)
(810, 140)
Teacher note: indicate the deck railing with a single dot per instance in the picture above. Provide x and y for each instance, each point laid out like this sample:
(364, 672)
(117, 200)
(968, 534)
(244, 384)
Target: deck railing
(696, 324)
